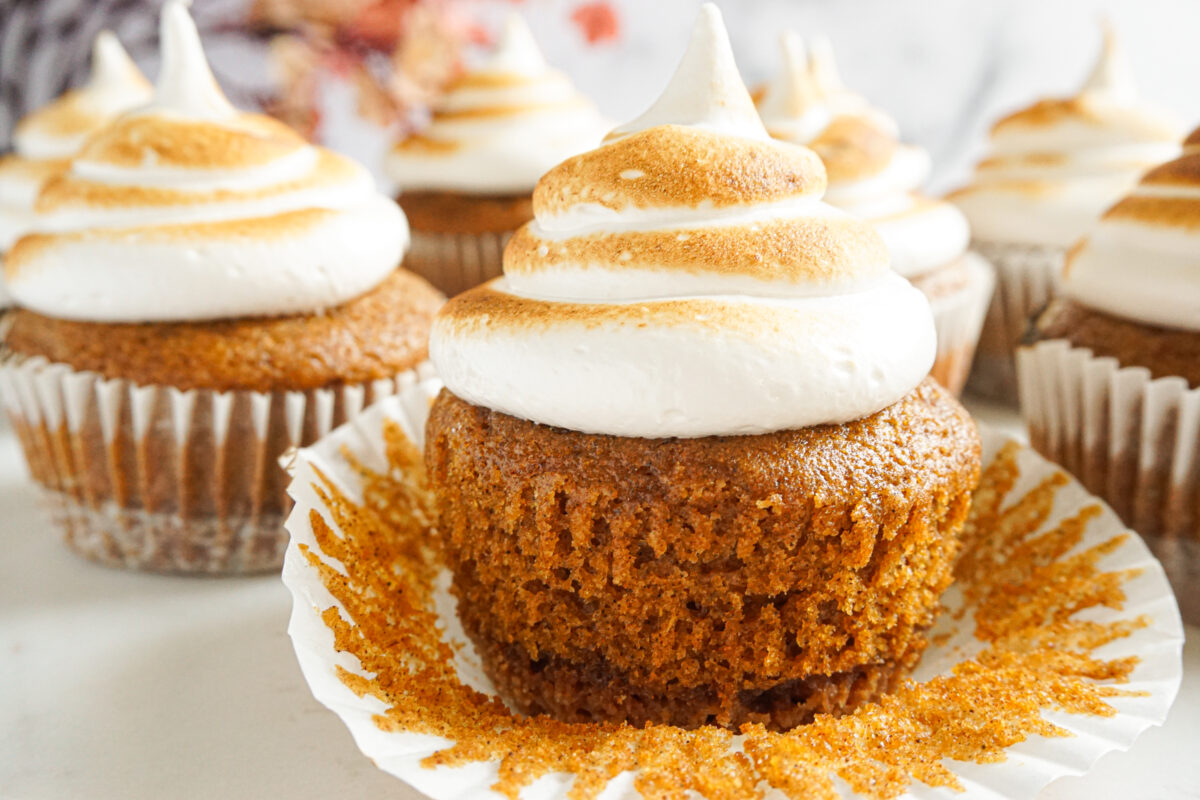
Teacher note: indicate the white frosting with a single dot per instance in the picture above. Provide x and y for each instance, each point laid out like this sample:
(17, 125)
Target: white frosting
(296, 232)
(1141, 267)
(656, 350)
(801, 103)
(1056, 166)
(500, 127)
(58, 131)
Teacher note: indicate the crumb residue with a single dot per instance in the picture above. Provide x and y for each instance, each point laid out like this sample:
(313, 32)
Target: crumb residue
(1022, 590)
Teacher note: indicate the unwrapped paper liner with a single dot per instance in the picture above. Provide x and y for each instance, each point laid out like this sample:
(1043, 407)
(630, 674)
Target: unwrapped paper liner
(155, 478)
(1127, 437)
(455, 262)
(958, 319)
(1029, 766)
(1026, 280)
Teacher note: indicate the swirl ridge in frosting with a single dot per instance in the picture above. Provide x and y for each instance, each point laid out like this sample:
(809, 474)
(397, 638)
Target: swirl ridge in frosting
(188, 209)
(1055, 166)
(1142, 260)
(500, 125)
(871, 173)
(685, 279)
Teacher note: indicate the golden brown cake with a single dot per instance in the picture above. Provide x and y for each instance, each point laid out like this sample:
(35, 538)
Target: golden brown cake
(704, 479)
(206, 290)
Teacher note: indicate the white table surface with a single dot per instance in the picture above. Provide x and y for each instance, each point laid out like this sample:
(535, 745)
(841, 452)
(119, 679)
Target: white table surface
(124, 685)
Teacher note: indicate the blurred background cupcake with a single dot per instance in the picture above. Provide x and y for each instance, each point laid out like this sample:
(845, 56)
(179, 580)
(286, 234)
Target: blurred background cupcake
(204, 289)
(874, 176)
(44, 140)
(466, 179)
(1110, 373)
(1052, 170)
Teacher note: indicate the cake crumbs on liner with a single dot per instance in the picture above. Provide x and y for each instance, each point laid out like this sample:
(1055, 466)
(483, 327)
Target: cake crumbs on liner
(1022, 591)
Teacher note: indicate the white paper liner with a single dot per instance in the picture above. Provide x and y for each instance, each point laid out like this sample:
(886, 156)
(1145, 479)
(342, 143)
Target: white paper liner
(151, 477)
(1030, 765)
(1131, 439)
(1026, 279)
(958, 319)
(455, 262)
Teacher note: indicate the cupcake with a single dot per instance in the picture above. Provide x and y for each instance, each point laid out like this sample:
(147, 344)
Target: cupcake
(688, 467)
(204, 290)
(1110, 371)
(44, 140)
(1052, 170)
(874, 176)
(466, 180)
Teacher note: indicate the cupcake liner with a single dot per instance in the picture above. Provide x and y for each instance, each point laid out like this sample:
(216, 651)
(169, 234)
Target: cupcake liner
(1026, 277)
(1130, 438)
(154, 478)
(339, 680)
(455, 262)
(958, 319)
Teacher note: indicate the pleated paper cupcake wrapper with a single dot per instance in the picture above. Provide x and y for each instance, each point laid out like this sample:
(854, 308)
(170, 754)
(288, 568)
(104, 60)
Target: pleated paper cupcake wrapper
(1026, 277)
(1029, 766)
(958, 319)
(455, 262)
(154, 478)
(1131, 439)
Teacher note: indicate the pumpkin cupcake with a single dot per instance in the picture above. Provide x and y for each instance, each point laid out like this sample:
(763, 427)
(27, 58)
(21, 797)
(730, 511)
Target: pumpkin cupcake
(1110, 374)
(874, 176)
(688, 465)
(1052, 170)
(465, 180)
(205, 290)
(47, 138)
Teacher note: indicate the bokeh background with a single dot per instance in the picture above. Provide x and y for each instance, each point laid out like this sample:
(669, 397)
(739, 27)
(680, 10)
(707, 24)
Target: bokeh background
(353, 72)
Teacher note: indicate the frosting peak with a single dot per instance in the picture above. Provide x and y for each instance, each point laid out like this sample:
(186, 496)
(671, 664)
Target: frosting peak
(1055, 166)
(499, 126)
(687, 280)
(187, 209)
(1142, 261)
(706, 90)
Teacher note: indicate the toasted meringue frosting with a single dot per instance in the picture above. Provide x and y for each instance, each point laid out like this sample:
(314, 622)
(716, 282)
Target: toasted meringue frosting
(1142, 261)
(871, 173)
(1054, 167)
(685, 279)
(187, 209)
(44, 140)
(499, 126)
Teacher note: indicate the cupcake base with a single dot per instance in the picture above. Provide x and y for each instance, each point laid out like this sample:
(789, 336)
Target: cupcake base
(1130, 438)
(720, 579)
(959, 303)
(1026, 276)
(455, 262)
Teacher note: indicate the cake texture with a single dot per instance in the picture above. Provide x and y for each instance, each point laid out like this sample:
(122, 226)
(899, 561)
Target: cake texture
(1051, 171)
(465, 179)
(873, 175)
(688, 467)
(1110, 371)
(204, 290)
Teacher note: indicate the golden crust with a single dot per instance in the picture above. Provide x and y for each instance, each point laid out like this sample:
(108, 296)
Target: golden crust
(853, 147)
(674, 165)
(378, 335)
(814, 250)
(426, 145)
(31, 169)
(68, 191)
(1168, 212)
(1083, 109)
(511, 110)
(1183, 171)
(69, 115)
(1193, 139)
(250, 141)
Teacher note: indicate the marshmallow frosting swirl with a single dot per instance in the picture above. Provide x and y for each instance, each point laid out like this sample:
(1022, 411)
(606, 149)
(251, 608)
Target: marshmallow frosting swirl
(188, 209)
(47, 138)
(499, 126)
(871, 173)
(1142, 261)
(685, 279)
(1054, 167)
